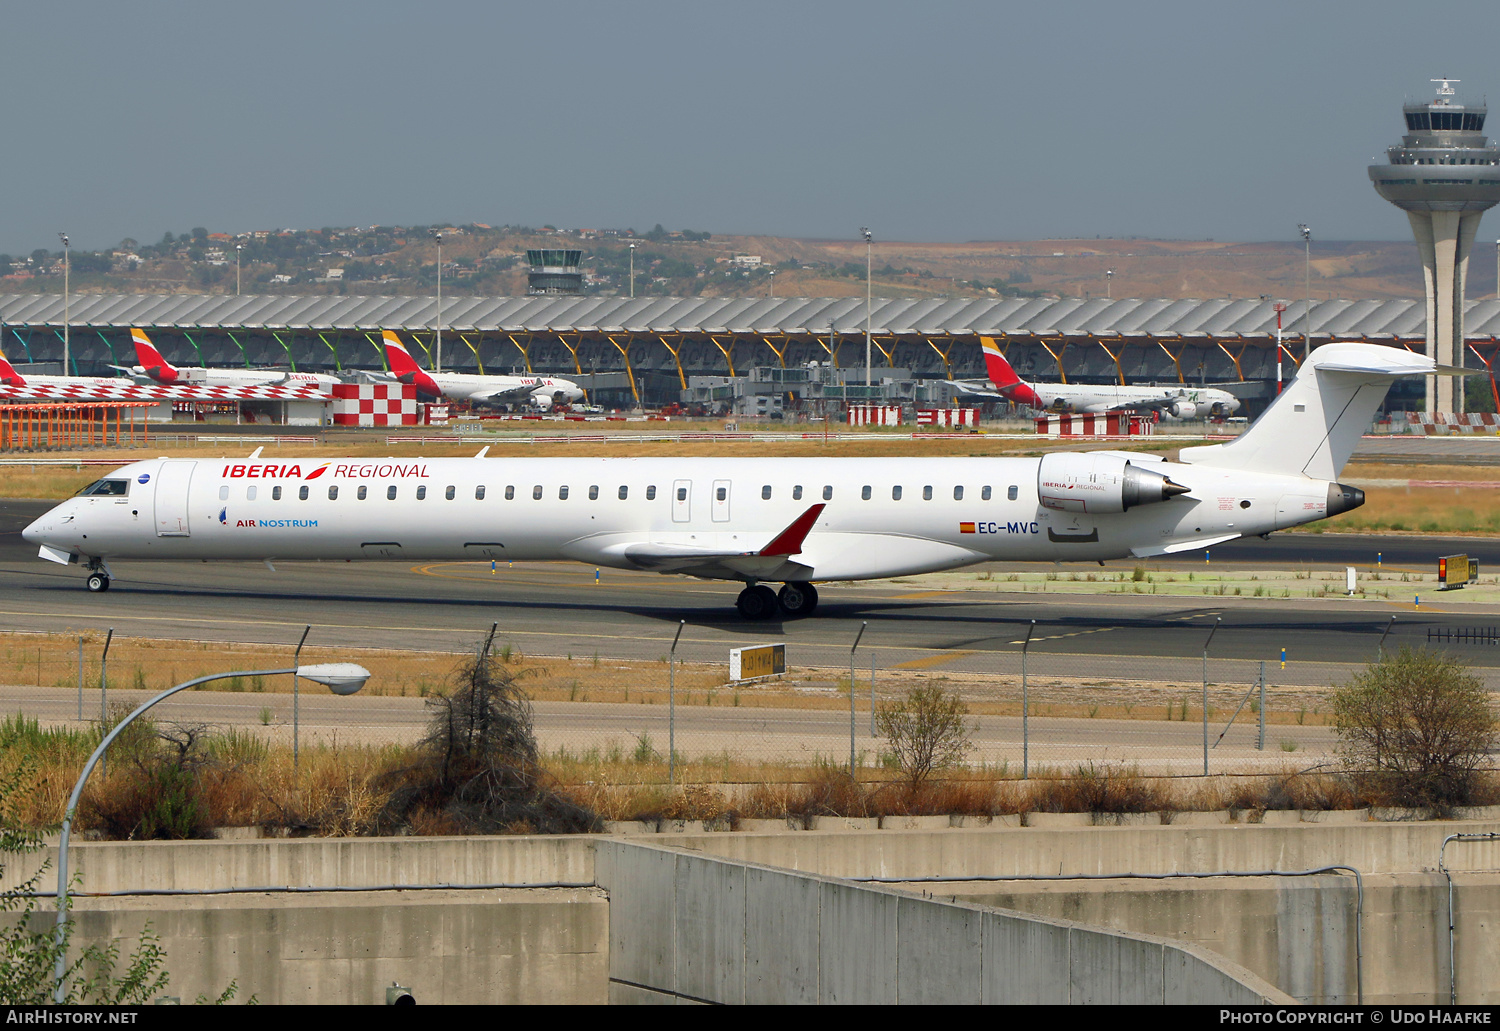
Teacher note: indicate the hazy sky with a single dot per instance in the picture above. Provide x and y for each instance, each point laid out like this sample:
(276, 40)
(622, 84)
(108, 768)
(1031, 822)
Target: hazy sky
(926, 121)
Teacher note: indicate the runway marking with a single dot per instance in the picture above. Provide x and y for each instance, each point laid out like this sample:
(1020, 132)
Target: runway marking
(1075, 633)
(929, 661)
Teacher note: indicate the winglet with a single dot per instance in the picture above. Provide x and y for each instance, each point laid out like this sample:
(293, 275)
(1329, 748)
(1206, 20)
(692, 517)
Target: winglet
(789, 541)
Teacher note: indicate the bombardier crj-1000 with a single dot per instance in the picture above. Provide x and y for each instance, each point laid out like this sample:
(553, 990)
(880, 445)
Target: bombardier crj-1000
(760, 521)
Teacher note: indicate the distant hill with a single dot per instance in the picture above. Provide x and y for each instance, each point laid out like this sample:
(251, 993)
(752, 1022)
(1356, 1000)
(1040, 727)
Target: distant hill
(491, 261)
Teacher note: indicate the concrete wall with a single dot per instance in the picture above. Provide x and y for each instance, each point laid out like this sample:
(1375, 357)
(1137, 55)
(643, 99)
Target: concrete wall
(694, 928)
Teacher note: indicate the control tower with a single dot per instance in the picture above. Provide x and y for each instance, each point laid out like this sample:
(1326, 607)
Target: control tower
(1444, 174)
(554, 272)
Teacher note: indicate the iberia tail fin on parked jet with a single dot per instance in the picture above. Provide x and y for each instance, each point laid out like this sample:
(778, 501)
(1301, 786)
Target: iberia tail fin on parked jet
(152, 361)
(1004, 377)
(405, 368)
(9, 377)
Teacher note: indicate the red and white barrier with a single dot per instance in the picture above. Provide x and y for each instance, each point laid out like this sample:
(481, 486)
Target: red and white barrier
(1113, 424)
(1451, 422)
(874, 415)
(947, 416)
(374, 404)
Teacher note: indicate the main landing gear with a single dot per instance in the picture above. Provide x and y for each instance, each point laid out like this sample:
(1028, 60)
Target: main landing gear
(794, 601)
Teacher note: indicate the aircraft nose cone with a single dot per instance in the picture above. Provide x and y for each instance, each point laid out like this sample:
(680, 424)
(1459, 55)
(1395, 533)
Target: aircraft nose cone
(33, 533)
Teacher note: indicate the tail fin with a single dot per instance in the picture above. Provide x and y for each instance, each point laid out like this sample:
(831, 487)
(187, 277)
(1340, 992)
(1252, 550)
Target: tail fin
(1314, 425)
(157, 367)
(397, 356)
(9, 377)
(1000, 372)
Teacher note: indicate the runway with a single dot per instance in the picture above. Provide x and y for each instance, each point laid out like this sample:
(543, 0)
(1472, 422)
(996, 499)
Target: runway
(559, 608)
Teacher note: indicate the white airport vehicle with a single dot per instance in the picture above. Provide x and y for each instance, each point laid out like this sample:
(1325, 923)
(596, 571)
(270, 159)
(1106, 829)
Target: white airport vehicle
(1092, 399)
(155, 368)
(795, 522)
(540, 391)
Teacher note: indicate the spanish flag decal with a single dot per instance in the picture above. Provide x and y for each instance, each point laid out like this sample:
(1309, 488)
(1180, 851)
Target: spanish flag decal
(965, 527)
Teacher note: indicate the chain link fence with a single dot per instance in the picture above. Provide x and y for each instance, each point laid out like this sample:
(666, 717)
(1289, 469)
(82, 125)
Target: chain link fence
(1036, 707)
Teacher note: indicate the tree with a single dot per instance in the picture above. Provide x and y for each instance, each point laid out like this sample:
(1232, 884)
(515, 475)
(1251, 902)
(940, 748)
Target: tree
(928, 729)
(1417, 726)
(28, 956)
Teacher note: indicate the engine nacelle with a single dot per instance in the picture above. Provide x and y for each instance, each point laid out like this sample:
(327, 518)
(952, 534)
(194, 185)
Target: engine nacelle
(1094, 483)
(542, 401)
(1183, 409)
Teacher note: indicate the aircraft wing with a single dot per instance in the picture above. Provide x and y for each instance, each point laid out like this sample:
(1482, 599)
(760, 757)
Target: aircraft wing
(1158, 404)
(774, 557)
(502, 397)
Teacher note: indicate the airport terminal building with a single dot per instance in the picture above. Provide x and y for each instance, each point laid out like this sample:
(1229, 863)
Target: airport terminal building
(644, 350)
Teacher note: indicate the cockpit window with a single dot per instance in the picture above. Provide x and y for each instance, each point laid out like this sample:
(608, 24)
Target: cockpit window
(106, 488)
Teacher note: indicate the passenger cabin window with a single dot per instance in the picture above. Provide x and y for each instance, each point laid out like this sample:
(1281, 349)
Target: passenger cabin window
(827, 493)
(276, 493)
(681, 493)
(479, 493)
(594, 492)
(797, 492)
(302, 493)
(721, 493)
(864, 493)
(390, 493)
(1011, 492)
(510, 492)
(926, 493)
(250, 493)
(449, 492)
(984, 493)
(364, 492)
(958, 493)
(650, 493)
(624, 492)
(333, 493)
(765, 493)
(895, 493)
(562, 494)
(422, 493)
(536, 492)
(223, 493)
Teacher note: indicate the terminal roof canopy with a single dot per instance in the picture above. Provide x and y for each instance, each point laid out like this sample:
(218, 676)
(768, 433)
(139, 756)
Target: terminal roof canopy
(740, 316)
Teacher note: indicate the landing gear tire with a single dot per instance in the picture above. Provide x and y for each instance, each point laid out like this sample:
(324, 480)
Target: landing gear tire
(757, 602)
(798, 599)
(97, 583)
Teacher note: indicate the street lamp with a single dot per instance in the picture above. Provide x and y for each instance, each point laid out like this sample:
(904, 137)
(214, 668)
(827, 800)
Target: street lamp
(239, 249)
(632, 270)
(1109, 277)
(64, 238)
(869, 378)
(773, 283)
(437, 364)
(1306, 232)
(342, 678)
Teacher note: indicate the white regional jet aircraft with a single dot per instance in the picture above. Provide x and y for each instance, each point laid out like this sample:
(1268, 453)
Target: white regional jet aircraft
(156, 369)
(791, 521)
(541, 391)
(1183, 402)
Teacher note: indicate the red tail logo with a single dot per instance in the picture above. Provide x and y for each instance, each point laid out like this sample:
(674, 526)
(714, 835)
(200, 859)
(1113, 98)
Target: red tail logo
(9, 377)
(157, 367)
(1004, 377)
(405, 368)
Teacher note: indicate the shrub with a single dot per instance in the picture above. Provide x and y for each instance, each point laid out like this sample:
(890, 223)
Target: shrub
(927, 729)
(478, 769)
(1415, 728)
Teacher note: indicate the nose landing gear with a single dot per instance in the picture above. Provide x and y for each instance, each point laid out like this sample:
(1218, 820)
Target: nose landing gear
(98, 582)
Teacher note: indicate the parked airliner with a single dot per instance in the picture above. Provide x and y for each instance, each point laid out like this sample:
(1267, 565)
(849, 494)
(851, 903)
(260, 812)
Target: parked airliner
(9, 377)
(1184, 402)
(540, 391)
(795, 522)
(155, 368)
